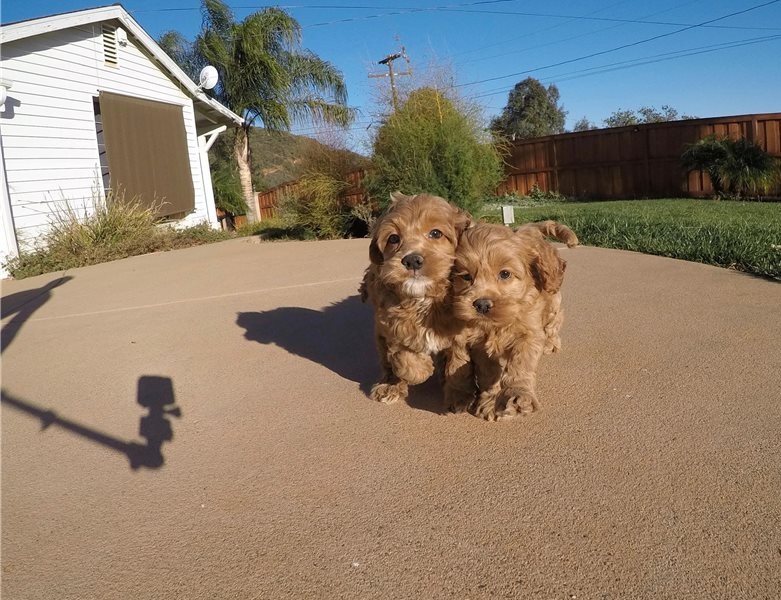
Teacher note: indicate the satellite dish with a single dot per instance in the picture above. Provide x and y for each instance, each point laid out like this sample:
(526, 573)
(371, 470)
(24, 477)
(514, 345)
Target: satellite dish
(208, 77)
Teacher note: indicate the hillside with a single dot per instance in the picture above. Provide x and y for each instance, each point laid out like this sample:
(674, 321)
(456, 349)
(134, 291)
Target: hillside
(281, 157)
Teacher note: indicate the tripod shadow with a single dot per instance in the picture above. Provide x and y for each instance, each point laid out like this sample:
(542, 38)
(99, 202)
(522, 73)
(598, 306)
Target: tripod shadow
(340, 337)
(154, 394)
(22, 305)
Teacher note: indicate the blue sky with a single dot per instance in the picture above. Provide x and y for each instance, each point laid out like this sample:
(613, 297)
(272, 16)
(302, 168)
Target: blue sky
(603, 55)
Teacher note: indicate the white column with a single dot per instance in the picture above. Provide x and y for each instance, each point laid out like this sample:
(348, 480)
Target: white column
(205, 142)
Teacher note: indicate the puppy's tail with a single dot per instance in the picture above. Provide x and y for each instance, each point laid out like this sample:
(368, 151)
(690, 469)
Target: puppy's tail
(553, 229)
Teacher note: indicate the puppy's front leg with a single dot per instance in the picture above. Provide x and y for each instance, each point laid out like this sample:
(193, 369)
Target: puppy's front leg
(519, 377)
(459, 377)
(553, 322)
(488, 374)
(390, 388)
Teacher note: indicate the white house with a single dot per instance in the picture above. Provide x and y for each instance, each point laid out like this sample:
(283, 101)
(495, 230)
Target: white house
(92, 102)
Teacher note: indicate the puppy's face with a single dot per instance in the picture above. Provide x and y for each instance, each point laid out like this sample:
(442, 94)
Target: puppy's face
(498, 274)
(414, 244)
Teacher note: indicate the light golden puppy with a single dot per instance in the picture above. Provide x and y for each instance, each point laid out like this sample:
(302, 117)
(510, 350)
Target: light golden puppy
(506, 290)
(407, 283)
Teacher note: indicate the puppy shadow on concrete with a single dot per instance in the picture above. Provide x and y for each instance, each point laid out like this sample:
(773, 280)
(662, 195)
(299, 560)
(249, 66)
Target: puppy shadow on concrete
(340, 337)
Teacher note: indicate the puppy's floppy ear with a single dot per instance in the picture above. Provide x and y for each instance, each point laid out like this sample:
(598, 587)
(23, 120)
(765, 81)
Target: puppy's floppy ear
(375, 254)
(547, 267)
(462, 221)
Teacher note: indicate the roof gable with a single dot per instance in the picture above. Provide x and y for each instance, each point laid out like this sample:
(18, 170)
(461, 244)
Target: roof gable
(42, 25)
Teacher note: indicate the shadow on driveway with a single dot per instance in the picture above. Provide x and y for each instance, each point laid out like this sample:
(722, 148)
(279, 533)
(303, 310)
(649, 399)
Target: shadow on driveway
(23, 304)
(339, 337)
(156, 394)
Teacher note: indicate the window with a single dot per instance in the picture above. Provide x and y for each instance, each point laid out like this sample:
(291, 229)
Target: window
(146, 148)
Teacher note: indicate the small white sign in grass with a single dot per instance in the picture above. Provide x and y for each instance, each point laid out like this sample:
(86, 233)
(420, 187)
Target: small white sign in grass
(508, 215)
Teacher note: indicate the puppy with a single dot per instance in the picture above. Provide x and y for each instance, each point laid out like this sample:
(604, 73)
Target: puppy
(411, 252)
(506, 290)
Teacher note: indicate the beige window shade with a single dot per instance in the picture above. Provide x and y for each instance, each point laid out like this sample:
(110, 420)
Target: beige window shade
(148, 158)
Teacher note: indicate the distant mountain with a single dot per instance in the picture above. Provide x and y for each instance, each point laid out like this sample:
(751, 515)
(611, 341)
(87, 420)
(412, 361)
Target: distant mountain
(281, 157)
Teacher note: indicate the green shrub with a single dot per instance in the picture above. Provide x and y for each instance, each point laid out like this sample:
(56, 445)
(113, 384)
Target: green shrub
(748, 169)
(433, 145)
(227, 189)
(109, 230)
(736, 167)
(536, 194)
(317, 206)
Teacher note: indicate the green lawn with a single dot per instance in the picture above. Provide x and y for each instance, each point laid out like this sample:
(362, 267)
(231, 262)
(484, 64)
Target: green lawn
(745, 236)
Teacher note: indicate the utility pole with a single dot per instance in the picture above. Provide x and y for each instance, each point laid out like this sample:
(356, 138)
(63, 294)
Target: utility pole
(388, 60)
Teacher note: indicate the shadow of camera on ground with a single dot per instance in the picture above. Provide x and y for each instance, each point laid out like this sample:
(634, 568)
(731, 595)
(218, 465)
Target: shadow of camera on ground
(340, 337)
(155, 394)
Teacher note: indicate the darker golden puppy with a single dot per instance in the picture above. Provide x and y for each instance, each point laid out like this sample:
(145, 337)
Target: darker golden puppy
(506, 290)
(407, 283)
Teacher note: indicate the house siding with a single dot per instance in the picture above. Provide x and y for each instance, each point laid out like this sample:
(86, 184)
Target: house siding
(48, 124)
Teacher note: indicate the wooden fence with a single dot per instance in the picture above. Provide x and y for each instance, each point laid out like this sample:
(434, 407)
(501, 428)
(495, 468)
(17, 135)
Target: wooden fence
(639, 161)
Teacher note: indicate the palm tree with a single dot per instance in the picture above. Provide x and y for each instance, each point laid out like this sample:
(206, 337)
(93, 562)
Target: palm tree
(748, 168)
(709, 155)
(734, 166)
(267, 77)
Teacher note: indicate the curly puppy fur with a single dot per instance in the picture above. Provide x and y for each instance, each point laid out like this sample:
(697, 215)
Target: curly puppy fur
(408, 281)
(506, 290)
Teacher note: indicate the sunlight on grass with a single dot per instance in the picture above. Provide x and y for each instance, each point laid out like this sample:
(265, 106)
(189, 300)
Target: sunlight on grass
(737, 235)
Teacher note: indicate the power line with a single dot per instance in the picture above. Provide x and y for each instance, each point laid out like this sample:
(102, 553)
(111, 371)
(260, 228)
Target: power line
(637, 43)
(627, 64)
(396, 11)
(569, 38)
(639, 63)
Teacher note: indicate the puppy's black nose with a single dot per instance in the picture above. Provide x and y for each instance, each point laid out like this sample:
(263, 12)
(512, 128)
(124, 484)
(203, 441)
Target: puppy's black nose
(412, 261)
(482, 305)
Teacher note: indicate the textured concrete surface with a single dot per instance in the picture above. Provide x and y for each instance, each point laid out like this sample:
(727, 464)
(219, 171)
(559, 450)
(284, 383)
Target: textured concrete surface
(195, 425)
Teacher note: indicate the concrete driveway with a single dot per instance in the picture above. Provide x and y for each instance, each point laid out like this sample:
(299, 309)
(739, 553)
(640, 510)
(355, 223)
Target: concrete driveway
(195, 424)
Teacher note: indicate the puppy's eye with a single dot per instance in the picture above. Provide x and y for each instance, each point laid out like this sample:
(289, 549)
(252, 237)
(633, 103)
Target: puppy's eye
(435, 234)
(504, 274)
(466, 277)
(393, 239)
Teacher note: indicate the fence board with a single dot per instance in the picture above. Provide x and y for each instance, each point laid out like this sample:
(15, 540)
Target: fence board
(635, 161)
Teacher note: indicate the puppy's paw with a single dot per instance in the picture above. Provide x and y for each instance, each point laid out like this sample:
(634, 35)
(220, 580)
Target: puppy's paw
(520, 403)
(458, 401)
(485, 408)
(388, 393)
(552, 345)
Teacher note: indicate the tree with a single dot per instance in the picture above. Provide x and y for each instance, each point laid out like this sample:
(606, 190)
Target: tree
(183, 52)
(532, 111)
(434, 144)
(584, 125)
(266, 77)
(644, 114)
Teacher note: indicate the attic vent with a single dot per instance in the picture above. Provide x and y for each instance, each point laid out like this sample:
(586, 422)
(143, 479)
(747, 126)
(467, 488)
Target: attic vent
(110, 45)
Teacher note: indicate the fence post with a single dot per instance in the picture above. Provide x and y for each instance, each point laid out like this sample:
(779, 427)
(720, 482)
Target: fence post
(647, 162)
